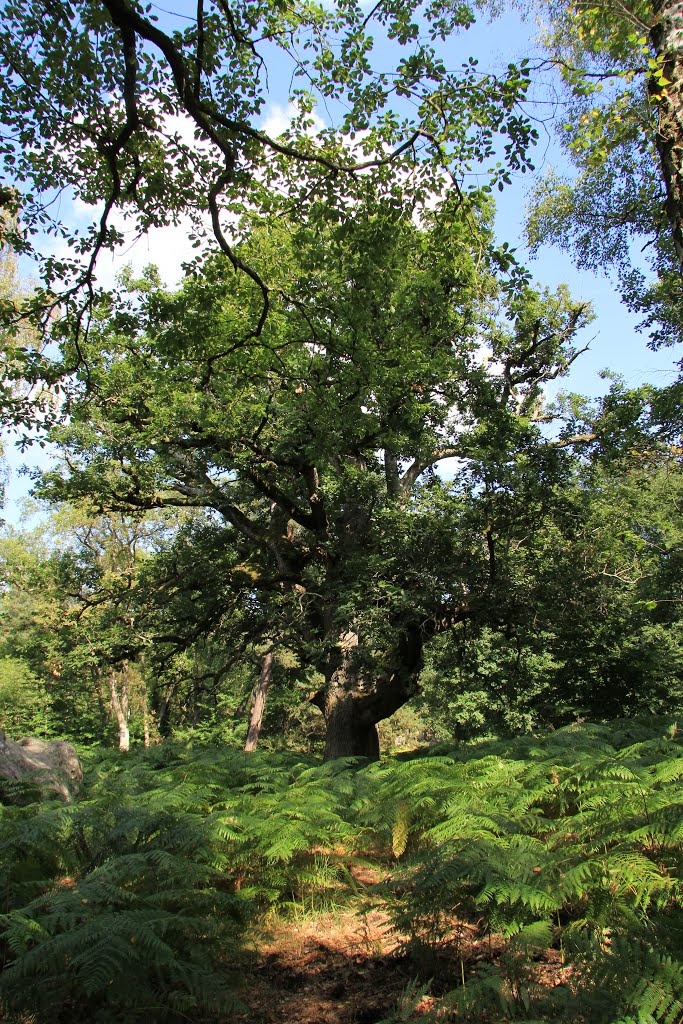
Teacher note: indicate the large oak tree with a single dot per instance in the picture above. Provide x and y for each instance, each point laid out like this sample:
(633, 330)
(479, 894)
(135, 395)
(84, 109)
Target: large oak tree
(393, 343)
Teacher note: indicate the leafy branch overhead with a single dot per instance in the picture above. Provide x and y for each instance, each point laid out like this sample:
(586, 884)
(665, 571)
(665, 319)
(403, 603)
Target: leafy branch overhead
(159, 117)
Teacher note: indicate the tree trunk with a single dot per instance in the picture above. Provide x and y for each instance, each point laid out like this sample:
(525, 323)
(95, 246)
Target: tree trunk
(162, 717)
(120, 707)
(667, 39)
(348, 732)
(146, 737)
(258, 707)
(353, 706)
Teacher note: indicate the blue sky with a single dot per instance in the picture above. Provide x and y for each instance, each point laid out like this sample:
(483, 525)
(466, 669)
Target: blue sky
(615, 341)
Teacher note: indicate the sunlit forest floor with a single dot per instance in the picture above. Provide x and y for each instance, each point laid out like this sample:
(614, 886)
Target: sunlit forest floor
(348, 967)
(335, 968)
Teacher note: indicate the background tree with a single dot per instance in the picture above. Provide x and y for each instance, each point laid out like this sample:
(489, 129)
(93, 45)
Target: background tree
(623, 68)
(33, 609)
(594, 627)
(72, 621)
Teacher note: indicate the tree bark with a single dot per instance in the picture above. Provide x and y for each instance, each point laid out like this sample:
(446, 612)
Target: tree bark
(258, 707)
(146, 737)
(353, 705)
(120, 707)
(392, 476)
(162, 715)
(667, 38)
(349, 731)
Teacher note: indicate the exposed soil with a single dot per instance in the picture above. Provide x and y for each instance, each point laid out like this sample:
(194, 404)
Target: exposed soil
(334, 969)
(348, 968)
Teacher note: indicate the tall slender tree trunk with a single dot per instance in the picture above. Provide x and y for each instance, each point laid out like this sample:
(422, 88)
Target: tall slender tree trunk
(146, 737)
(667, 38)
(258, 707)
(162, 718)
(120, 705)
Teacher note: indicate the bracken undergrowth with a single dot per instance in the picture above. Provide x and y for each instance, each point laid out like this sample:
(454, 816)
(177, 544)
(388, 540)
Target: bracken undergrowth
(139, 901)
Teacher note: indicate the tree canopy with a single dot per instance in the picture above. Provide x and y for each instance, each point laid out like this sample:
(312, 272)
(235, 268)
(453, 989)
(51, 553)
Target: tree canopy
(622, 65)
(393, 345)
(112, 104)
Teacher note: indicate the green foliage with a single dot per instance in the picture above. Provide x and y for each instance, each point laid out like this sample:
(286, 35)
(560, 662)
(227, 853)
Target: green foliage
(564, 849)
(104, 92)
(569, 843)
(589, 625)
(25, 705)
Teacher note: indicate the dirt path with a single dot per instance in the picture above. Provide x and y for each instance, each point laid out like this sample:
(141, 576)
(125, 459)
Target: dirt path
(341, 968)
(347, 967)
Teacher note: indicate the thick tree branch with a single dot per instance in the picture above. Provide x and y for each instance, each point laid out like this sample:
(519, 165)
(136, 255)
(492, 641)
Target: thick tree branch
(282, 500)
(420, 465)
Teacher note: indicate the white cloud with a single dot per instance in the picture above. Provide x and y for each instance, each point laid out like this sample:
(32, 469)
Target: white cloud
(279, 118)
(166, 248)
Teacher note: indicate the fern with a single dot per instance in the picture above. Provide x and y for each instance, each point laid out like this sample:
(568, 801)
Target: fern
(567, 841)
(135, 902)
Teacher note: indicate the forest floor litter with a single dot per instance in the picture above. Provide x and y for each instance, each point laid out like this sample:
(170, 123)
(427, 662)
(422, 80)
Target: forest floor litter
(337, 968)
(348, 967)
